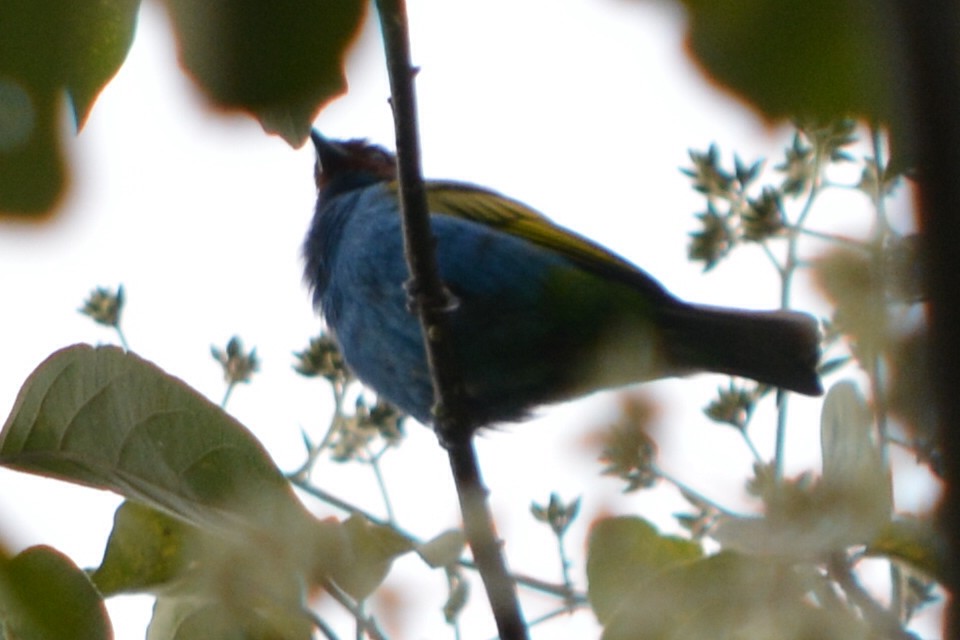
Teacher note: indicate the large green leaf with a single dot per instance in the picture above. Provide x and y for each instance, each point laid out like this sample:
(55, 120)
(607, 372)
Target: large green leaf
(281, 60)
(44, 595)
(624, 552)
(111, 420)
(813, 58)
(48, 48)
(193, 618)
(208, 586)
(146, 552)
(726, 597)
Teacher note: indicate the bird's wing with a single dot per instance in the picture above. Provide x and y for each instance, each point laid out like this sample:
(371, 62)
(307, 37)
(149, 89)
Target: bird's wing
(497, 211)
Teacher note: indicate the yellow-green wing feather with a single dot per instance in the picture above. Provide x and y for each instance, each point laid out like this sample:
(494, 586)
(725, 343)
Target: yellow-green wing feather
(507, 215)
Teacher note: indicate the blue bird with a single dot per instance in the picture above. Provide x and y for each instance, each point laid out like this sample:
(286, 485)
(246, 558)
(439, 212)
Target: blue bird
(542, 314)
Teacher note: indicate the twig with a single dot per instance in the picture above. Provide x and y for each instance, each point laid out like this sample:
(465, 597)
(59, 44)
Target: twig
(367, 624)
(882, 620)
(453, 426)
(693, 493)
(556, 613)
(569, 598)
(226, 394)
(122, 337)
(750, 445)
(374, 462)
(786, 287)
(320, 624)
(848, 243)
(530, 582)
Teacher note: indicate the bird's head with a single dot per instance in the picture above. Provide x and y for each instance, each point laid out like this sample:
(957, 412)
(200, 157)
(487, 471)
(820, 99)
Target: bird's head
(343, 165)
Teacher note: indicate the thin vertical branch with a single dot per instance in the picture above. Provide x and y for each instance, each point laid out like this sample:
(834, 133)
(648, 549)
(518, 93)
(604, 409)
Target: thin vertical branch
(786, 290)
(478, 527)
(374, 461)
(432, 302)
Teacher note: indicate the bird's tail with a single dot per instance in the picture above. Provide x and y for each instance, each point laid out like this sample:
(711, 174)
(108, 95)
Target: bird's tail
(779, 348)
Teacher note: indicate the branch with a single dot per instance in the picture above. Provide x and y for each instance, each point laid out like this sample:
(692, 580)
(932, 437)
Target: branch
(366, 624)
(882, 621)
(432, 302)
(427, 295)
(530, 582)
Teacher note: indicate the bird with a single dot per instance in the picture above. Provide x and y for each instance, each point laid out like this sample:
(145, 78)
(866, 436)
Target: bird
(540, 314)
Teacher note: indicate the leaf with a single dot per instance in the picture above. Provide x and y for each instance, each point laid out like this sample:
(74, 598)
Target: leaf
(458, 595)
(195, 618)
(210, 586)
(856, 482)
(916, 542)
(851, 456)
(48, 48)
(444, 550)
(624, 552)
(32, 173)
(371, 549)
(820, 59)
(856, 289)
(99, 36)
(111, 420)
(726, 596)
(242, 549)
(281, 61)
(44, 595)
(147, 549)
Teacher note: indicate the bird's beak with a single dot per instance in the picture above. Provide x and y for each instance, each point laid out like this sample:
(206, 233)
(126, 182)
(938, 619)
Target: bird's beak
(318, 140)
(328, 151)
(331, 156)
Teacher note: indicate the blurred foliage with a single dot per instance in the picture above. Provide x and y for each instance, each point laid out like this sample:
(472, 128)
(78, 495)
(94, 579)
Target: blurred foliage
(44, 595)
(281, 62)
(819, 59)
(556, 514)
(49, 49)
(104, 306)
(739, 209)
(322, 358)
(213, 527)
(629, 452)
(623, 553)
(147, 549)
(670, 593)
(733, 406)
(804, 545)
(238, 365)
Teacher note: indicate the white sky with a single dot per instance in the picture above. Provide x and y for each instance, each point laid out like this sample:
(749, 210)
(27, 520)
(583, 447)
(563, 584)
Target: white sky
(584, 109)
